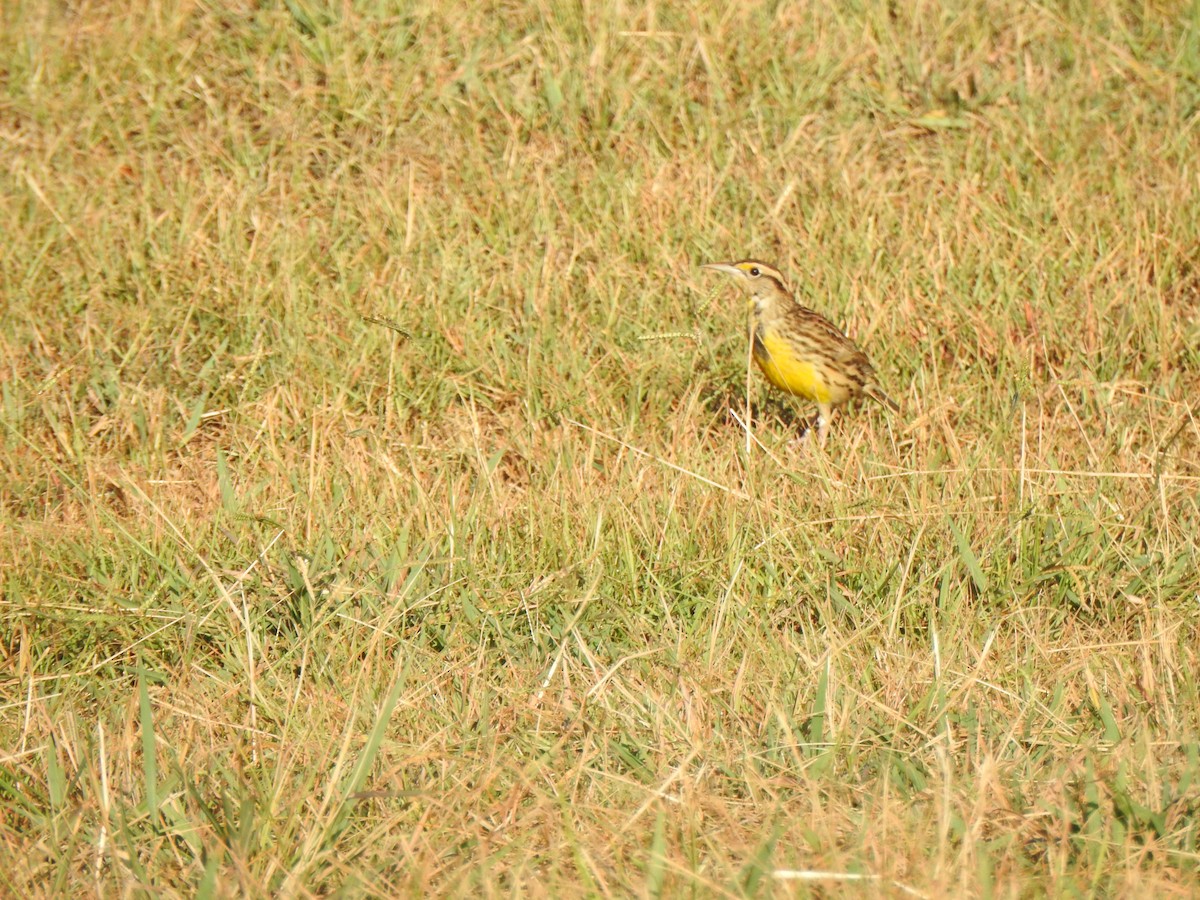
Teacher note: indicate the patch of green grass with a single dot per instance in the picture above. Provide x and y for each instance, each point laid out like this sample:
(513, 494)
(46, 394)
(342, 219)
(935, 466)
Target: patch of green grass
(360, 530)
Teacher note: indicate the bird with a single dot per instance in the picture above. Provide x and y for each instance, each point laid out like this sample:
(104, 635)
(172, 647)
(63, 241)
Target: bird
(798, 349)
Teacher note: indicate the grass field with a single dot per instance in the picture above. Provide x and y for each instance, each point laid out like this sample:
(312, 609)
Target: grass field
(380, 511)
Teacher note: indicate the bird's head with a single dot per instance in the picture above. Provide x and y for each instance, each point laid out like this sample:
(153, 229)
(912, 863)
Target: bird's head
(762, 283)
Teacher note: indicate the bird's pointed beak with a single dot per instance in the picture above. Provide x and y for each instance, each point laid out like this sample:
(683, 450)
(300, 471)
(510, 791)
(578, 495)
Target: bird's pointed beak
(727, 268)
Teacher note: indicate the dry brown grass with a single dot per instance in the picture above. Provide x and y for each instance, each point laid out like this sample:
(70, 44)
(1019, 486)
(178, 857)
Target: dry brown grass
(496, 601)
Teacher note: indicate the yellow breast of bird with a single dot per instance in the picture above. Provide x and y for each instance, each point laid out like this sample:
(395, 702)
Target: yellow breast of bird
(783, 368)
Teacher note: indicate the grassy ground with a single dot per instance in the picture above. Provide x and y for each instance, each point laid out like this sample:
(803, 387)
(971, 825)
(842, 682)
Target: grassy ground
(485, 593)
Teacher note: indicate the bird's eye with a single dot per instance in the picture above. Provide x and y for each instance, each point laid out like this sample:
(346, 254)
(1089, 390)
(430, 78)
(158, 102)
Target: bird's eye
(754, 273)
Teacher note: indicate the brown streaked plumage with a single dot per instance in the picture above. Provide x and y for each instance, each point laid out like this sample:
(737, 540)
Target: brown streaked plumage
(799, 350)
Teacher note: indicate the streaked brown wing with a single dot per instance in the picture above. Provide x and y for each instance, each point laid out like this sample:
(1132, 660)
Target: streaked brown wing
(824, 334)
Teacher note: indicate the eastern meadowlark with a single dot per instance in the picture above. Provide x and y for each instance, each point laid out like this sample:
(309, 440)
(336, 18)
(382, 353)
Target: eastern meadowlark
(799, 350)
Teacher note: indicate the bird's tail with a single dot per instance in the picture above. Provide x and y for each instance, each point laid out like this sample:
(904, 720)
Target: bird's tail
(876, 393)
